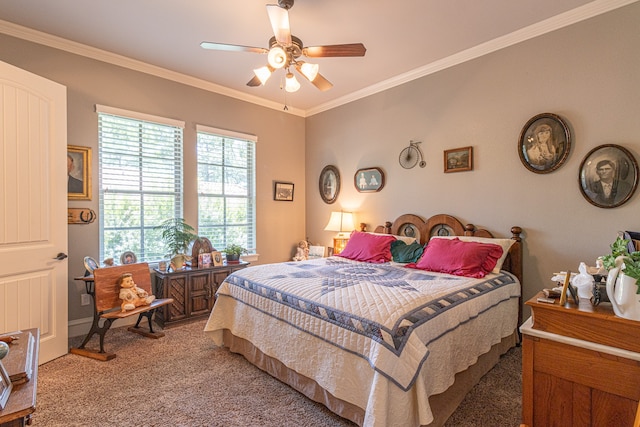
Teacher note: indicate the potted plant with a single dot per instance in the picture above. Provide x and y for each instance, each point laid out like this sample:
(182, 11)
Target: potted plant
(177, 235)
(622, 280)
(620, 248)
(233, 252)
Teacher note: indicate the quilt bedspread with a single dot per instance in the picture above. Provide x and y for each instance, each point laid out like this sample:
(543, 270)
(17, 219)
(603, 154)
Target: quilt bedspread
(386, 314)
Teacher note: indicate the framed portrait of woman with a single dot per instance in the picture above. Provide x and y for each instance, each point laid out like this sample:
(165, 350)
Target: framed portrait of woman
(329, 184)
(544, 143)
(608, 176)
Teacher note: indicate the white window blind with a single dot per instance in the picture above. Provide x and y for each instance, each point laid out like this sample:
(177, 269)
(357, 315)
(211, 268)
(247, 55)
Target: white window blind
(140, 175)
(226, 187)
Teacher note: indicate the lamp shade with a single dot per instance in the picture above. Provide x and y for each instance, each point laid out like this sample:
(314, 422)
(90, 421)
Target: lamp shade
(277, 57)
(341, 222)
(291, 83)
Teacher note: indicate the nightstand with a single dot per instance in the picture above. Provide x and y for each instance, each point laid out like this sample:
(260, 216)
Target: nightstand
(580, 365)
(339, 244)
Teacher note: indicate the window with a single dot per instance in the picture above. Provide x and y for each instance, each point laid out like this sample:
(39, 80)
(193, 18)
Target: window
(140, 164)
(226, 187)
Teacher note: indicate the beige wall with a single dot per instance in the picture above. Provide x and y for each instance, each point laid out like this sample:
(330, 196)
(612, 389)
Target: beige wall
(588, 73)
(280, 155)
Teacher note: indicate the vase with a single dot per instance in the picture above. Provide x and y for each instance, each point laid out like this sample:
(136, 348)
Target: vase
(622, 292)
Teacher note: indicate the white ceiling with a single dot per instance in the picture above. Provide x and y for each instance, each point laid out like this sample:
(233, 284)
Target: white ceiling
(404, 39)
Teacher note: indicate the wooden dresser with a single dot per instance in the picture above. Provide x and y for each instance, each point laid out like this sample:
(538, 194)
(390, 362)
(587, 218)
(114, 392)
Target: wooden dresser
(193, 291)
(580, 366)
(22, 366)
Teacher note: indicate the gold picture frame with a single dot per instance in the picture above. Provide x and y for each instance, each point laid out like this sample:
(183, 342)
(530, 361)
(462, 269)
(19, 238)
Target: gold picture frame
(78, 172)
(458, 159)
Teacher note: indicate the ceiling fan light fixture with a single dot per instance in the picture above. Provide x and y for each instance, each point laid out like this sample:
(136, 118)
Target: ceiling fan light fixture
(310, 71)
(277, 57)
(263, 74)
(291, 83)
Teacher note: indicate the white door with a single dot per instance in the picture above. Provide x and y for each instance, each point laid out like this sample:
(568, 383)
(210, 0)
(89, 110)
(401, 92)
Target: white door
(33, 208)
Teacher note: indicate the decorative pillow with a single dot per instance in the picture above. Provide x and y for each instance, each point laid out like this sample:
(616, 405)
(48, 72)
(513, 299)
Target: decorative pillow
(368, 247)
(453, 256)
(402, 252)
(505, 244)
(408, 240)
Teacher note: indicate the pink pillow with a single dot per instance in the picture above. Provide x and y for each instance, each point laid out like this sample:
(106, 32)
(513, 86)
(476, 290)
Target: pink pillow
(368, 247)
(453, 256)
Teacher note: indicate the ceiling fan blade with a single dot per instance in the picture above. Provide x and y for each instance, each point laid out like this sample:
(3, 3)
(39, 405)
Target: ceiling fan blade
(255, 81)
(232, 47)
(351, 49)
(279, 18)
(319, 81)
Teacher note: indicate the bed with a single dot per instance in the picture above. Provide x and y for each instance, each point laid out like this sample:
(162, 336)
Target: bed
(376, 341)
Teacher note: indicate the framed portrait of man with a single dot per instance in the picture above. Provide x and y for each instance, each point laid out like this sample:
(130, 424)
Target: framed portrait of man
(78, 173)
(608, 176)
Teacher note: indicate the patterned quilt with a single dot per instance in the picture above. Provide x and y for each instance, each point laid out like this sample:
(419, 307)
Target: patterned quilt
(385, 313)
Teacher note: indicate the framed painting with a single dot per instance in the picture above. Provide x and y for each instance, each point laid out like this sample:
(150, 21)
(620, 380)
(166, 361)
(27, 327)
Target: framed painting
(608, 176)
(544, 144)
(458, 159)
(283, 191)
(369, 180)
(78, 173)
(329, 184)
(128, 257)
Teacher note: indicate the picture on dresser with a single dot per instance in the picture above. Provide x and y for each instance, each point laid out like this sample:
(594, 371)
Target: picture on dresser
(608, 176)
(5, 385)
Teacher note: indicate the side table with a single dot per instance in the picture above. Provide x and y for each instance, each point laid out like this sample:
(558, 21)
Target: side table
(22, 400)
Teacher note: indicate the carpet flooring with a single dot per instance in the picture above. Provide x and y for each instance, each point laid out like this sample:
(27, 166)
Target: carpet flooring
(183, 380)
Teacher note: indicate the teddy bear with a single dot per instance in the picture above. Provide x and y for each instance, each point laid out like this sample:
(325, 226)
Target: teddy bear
(131, 295)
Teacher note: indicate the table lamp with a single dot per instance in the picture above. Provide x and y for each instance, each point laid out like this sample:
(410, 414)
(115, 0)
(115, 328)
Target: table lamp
(342, 222)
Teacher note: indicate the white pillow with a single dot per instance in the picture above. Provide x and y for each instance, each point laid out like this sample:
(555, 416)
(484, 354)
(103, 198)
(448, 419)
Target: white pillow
(408, 240)
(505, 244)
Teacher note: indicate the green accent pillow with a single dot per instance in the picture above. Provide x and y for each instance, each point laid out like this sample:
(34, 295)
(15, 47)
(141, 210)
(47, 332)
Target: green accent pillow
(401, 252)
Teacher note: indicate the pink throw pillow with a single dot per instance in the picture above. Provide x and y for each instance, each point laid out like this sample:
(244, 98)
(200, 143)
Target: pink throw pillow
(368, 247)
(453, 256)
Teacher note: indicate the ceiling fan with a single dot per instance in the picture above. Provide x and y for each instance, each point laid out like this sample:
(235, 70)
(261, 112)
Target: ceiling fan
(285, 50)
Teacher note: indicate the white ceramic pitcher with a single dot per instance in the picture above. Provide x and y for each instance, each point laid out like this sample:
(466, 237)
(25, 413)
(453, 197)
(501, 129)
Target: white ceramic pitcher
(621, 290)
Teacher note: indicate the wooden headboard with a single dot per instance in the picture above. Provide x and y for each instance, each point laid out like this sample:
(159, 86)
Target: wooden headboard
(446, 225)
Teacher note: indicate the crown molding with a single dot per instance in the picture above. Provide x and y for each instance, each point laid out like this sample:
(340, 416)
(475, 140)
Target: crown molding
(576, 15)
(60, 43)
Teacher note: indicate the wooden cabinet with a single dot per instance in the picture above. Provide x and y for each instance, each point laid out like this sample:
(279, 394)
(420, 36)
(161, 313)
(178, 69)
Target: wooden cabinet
(580, 366)
(193, 291)
(22, 366)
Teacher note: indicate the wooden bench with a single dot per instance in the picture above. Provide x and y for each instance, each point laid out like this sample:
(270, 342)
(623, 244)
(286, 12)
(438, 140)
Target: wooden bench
(104, 288)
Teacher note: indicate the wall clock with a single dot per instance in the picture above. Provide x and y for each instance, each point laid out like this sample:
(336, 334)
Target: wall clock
(329, 184)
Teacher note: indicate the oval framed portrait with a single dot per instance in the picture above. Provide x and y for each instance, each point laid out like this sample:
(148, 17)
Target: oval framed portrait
(545, 143)
(329, 184)
(128, 257)
(608, 176)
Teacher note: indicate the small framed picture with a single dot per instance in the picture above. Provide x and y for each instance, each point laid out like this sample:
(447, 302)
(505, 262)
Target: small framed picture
(458, 159)
(5, 386)
(608, 176)
(316, 252)
(216, 258)
(204, 260)
(283, 191)
(369, 180)
(544, 144)
(78, 173)
(128, 257)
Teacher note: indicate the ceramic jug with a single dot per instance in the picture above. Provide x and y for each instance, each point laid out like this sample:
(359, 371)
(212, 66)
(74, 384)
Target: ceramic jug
(621, 290)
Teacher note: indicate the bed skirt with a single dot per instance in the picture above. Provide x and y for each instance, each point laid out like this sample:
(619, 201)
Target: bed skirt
(442, 405)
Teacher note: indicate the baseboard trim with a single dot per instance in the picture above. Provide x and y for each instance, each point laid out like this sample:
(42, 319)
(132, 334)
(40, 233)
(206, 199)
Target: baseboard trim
(80, 327)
